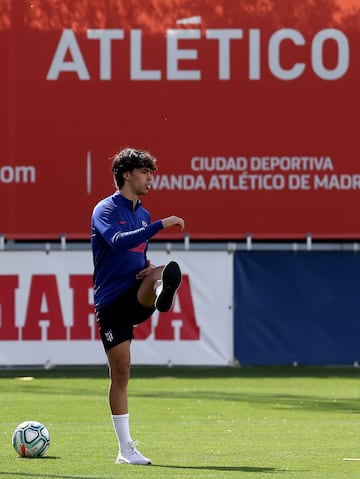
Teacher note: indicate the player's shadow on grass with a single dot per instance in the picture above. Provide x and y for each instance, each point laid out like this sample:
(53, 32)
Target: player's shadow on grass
(265, 470)
(227, 468)
(43, 475)
(32, 459)
(272, 401)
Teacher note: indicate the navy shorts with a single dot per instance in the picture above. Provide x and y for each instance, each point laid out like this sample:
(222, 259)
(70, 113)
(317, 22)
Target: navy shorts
(116, 320)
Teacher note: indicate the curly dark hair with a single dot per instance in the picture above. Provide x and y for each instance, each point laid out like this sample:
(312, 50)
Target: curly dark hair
(128, 159)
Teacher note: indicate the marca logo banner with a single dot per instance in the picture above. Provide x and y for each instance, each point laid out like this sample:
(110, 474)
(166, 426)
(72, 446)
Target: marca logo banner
(47, 313)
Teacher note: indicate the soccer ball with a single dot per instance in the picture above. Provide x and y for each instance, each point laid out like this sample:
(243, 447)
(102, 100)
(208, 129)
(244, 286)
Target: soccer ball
(31, 439)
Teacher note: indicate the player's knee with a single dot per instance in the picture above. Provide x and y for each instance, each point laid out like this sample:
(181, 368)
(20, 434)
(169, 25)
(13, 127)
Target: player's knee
(120, 374)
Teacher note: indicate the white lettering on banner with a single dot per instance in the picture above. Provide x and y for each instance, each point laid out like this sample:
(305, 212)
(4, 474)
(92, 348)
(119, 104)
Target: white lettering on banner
(68, 44)
(337, 182)
(258, 173)
(274, 54)
(105, 37)
(285, 163)
(252, 182)
(174, 54)
(136, 72)
(224, 37)
(317, 57)
(218, 163)
(299, 182)
(264, 163)
(17, 174)
(178, 182)
(248, 182)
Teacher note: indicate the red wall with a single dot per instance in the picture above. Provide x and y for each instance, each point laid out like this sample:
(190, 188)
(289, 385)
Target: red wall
(253, 115)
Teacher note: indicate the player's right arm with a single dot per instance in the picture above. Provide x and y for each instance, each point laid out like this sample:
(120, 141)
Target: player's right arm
(105, 223)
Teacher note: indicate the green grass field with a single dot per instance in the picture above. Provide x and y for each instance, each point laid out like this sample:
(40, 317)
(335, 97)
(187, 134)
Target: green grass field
(192, 422)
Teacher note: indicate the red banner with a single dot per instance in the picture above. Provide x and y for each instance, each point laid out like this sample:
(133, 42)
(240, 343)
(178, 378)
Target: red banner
(252, 114)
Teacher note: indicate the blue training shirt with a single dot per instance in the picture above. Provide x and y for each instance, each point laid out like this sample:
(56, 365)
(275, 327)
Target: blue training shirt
(119, 241)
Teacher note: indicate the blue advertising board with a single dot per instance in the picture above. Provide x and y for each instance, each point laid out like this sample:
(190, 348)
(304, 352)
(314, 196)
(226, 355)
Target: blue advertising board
(297, 307)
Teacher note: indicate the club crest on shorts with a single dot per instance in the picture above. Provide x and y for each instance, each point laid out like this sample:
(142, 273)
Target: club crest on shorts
(109, 336)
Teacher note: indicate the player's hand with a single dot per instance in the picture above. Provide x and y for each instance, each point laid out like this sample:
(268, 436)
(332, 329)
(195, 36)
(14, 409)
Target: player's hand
(144, 272)
(173, 221)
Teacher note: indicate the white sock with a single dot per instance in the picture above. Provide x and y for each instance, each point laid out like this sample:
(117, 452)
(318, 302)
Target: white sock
(122, 429)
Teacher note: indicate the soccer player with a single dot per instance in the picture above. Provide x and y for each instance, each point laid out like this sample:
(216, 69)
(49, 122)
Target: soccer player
(127, 287)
